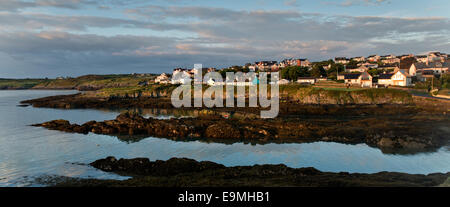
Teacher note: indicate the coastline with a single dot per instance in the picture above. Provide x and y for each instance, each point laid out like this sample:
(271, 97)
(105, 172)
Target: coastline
(393, 128)
(387, 133)
(183, 172)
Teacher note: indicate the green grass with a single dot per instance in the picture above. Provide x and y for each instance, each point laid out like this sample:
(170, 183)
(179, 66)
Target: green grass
(135, 90)
(20, 83)
(98, 81)
(340, 89)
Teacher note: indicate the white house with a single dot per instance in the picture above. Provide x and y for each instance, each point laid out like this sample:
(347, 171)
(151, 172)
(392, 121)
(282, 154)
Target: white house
(363, 79)
(399, 78)
(368, 65)
(306, 80)
(359, 59)
(438, 68)
(180, 76)
(341, 60)
(283, 82)
(360, 69)
(162, 79)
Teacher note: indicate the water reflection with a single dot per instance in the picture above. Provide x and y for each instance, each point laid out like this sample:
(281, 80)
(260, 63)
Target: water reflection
(28, 152)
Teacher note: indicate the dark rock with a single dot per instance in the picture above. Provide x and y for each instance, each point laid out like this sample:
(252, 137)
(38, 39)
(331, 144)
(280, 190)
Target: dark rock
(386, 133)
(177, 172)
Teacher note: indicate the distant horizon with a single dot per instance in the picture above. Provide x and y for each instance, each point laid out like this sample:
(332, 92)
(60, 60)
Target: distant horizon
(41, 38)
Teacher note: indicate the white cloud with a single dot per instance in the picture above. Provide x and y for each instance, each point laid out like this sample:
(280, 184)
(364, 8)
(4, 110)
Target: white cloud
(217, 37)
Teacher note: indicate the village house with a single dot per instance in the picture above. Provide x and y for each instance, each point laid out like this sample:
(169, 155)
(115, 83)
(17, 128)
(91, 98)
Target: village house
(422, 58)
(437, 57)
(295, 62)
(389, 68)
(416, 67)
(373, 58)
(401, 57)
(360, 69)
(181, 76)
(341, 60)
(162, 79)
(362, 79)
(306, 80)
(283, 82)
(438, 68)
(385, 79)
(359, 59)
(424, 75)
(390, 59)
(266, 65)
(368, 65)
(398, 78)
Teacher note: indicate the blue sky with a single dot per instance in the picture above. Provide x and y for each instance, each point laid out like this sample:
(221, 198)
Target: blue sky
(50, 38)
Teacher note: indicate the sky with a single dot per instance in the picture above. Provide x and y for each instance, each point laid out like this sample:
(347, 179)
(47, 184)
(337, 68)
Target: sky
(51, 38)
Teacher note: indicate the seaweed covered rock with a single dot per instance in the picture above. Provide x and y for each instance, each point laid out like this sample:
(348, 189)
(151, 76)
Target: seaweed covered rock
(143, 166)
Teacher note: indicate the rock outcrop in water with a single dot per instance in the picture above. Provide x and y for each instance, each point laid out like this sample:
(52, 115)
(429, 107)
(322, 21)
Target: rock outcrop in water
(401, 133)
(182, 172)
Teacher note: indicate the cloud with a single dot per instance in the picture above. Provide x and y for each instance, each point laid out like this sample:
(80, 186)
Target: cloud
(348, 3)
(14, 5)
(180, 36)
(292, 3)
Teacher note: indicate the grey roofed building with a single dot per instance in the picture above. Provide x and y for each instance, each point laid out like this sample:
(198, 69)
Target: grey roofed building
(385, 76)
(352, 76)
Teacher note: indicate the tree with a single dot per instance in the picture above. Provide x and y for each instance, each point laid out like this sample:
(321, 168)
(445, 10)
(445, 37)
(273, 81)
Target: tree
(317, 71)
(445, 81)
(234, 69)
(374, 72)
(332, 71)
(352, 64)
(293, 72)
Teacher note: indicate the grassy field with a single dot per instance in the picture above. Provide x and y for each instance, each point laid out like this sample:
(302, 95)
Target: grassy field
(87, 82)
(20, 83)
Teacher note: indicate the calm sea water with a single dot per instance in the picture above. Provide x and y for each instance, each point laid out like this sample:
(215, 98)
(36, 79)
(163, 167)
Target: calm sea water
(27, 153)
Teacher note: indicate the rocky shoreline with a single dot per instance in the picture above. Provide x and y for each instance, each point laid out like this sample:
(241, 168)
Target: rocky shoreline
(183, 172)
(287, 107)
(387, 133)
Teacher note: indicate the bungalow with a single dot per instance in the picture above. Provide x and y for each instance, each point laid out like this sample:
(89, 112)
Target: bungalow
(306, 80)
(363, 79)
(360, 69)
(399, 78)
